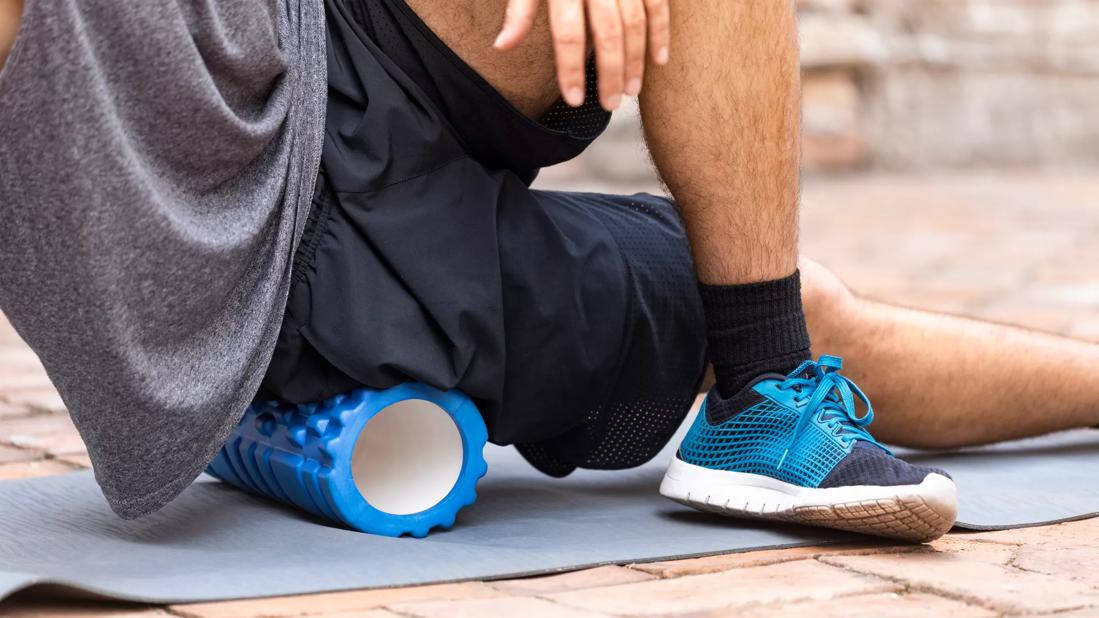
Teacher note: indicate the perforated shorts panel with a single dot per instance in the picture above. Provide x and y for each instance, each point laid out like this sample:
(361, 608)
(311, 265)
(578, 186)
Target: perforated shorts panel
(663, 345)
(757, 441)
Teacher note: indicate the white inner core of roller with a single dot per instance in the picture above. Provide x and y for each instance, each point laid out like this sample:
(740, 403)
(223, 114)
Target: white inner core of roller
(408, 457)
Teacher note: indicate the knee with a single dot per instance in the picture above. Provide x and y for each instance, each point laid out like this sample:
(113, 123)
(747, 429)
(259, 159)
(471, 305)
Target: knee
(11, 13)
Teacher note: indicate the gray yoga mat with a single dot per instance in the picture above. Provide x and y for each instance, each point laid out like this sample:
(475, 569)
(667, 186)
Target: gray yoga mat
(215, 542)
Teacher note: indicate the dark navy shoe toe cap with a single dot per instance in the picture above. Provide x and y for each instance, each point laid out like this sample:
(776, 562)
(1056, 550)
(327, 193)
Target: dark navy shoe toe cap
(869, 465)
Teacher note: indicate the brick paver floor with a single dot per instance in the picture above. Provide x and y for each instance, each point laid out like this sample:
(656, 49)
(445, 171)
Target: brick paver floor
(1016, 248)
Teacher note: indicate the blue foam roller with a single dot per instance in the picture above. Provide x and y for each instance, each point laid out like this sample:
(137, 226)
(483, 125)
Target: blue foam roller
(306, 456)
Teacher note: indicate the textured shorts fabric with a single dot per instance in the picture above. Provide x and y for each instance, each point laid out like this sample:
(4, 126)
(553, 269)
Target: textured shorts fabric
(572, 319)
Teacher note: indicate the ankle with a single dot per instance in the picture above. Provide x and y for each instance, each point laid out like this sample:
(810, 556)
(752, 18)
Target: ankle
(753, 329)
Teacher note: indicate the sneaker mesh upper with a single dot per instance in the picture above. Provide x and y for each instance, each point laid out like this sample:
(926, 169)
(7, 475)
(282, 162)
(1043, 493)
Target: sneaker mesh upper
(755, 442)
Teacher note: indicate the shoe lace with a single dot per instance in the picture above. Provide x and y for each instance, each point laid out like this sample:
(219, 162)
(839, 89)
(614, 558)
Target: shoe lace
(831, 397)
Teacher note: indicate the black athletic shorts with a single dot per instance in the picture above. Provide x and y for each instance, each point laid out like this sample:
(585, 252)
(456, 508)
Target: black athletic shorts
(572, 319)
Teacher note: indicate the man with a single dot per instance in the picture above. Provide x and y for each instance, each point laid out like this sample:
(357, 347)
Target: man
(163, 205)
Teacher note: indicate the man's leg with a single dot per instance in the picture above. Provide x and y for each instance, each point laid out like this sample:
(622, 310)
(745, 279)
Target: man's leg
(957, 381)
(780, 437)
(1002, 389)
(723, 126)
(722, 122)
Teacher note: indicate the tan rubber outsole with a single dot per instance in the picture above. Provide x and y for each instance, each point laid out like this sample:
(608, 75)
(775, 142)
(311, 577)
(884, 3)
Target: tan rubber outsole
(911, 513)
(909, 519)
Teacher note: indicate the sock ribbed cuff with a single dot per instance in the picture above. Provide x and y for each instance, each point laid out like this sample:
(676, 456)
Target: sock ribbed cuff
(754, 328)
(728, 306)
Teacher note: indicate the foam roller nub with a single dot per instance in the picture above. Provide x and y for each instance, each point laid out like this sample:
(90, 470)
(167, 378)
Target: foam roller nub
(398, 461)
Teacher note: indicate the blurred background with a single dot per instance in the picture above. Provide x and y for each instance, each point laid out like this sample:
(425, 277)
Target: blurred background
(950, 154)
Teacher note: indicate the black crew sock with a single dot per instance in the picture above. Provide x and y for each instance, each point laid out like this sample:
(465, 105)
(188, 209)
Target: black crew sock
(754, 328)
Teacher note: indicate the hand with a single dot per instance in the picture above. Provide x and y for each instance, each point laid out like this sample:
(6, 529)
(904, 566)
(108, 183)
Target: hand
(622, 31)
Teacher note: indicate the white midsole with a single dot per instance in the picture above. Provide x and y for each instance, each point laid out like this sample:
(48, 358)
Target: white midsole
(755, 493)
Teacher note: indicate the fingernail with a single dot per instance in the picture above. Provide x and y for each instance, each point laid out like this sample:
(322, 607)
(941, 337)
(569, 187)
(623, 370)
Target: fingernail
(574, 97)
(662, 56)
(499, 38)
(634, 87)
(612, 102)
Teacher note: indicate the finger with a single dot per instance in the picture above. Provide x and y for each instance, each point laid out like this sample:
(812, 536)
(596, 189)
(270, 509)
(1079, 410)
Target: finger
(633, 25)
(567, 24)
(660, 35)
(518, 21)
(608, 39)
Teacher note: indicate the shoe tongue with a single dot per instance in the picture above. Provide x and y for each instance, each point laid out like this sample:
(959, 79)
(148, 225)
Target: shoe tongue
(803, 372)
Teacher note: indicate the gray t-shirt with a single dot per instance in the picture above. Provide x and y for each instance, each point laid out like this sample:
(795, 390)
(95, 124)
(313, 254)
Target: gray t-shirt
(157, 160)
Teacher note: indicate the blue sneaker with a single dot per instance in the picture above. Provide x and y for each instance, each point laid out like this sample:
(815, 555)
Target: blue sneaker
(792, 448)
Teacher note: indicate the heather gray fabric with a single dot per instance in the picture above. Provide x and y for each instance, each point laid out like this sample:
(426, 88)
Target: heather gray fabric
(216, 542)
(157, 160)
